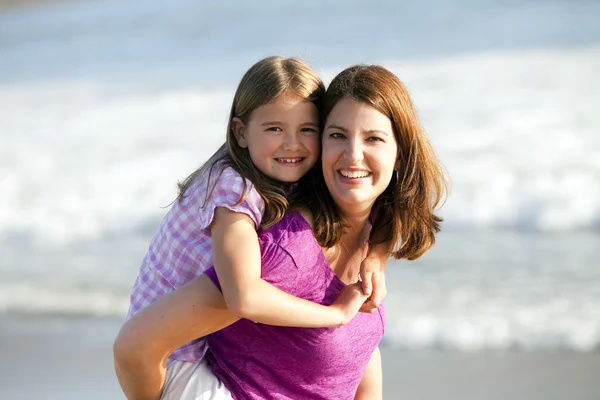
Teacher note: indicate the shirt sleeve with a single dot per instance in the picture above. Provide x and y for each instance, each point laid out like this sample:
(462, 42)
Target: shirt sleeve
(277, 267)
(226, 193)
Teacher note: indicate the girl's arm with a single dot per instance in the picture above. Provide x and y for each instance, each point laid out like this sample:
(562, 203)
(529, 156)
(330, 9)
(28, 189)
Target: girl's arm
(372, 274)
(371, 384)
(237, 262)
(146, 340)
(192, 311)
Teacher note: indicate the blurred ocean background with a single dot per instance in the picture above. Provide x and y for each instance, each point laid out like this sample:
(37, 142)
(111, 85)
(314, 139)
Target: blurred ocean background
(105, 105)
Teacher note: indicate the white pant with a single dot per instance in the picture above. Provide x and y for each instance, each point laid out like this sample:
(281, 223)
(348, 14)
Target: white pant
(193, 381)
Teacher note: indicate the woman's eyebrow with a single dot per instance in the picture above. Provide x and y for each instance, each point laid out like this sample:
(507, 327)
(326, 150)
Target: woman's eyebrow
(341, 128)
(369, 132)
(377, 131)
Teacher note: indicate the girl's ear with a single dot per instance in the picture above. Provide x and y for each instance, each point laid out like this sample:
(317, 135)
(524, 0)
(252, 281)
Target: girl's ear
(239, 131)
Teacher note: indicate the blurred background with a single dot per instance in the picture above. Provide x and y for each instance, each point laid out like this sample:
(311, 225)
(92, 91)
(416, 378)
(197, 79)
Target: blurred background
(105, 105)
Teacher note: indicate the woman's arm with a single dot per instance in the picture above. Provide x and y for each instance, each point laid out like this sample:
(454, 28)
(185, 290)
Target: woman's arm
(237, 261)
(146, 340)
(371, 385)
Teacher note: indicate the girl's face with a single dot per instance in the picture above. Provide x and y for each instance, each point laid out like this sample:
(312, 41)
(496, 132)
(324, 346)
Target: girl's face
(359, 154)
(282, 137)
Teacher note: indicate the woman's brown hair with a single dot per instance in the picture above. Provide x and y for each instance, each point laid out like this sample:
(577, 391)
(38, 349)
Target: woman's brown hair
(404, 214)
(262, 84)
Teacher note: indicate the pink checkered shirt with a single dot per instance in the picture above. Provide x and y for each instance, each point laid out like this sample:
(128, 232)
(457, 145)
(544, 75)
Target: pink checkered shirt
(181, 248)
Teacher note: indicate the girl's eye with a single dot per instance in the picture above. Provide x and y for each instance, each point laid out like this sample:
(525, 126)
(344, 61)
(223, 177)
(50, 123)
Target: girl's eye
(308, 130)
(274, 129)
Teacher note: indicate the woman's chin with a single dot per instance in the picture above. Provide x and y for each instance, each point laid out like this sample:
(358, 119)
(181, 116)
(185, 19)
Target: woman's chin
(353, 205)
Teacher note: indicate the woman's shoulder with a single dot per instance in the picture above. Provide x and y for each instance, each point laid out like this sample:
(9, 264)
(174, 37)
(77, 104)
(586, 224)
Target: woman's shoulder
(305, 214)
(289, 245)
(294, 228)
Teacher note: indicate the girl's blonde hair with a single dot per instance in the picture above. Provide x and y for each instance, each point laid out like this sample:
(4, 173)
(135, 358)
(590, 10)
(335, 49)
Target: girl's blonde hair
(403, 215)
(262, 84)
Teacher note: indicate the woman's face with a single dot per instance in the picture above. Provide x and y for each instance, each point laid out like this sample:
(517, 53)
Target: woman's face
(359, 154)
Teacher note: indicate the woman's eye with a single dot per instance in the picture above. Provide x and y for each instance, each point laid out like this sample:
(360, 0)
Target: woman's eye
(375, 139)
(336, 135)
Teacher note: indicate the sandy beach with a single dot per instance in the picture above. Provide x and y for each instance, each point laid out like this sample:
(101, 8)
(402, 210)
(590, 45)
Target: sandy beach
(71, 358)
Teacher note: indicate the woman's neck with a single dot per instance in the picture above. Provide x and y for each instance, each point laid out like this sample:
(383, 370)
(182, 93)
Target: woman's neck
(356, 222)
(347, 255)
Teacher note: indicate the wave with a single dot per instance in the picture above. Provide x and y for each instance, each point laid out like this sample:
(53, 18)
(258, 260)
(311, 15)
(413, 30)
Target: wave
(516, 131)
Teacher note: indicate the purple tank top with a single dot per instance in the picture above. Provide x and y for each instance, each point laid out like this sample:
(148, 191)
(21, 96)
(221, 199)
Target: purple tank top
(257, 361)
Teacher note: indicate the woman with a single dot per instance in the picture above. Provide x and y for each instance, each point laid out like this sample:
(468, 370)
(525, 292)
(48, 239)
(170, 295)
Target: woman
(377, 170)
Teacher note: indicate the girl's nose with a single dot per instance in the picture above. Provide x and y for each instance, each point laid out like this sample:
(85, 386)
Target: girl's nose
(291, 142)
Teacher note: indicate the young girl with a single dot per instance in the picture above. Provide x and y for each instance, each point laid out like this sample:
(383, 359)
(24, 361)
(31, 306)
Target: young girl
(272, 141)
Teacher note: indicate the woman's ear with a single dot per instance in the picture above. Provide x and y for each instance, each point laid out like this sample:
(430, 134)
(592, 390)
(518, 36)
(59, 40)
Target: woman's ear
(398, 165)
(239, 131)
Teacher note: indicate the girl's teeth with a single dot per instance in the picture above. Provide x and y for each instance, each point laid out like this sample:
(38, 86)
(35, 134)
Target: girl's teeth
(289, 160)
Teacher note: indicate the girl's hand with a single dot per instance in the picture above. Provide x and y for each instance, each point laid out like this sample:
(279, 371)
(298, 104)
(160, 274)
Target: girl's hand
(372, 277)
(349, 302)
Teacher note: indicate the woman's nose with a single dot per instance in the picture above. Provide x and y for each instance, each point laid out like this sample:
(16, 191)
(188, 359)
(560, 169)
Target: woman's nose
(354, 150)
